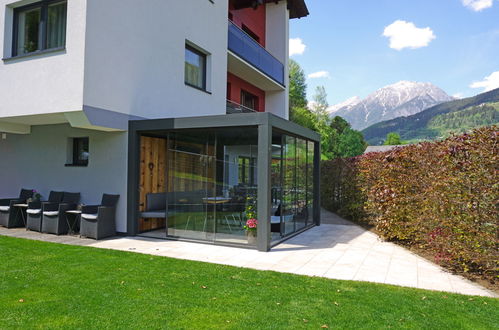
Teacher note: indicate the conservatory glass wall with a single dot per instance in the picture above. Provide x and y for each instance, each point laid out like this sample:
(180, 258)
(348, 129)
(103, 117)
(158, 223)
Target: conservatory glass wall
(191, 179)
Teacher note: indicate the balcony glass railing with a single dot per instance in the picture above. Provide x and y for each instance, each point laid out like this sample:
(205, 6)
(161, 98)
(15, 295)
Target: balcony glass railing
(233, 107)
(241, 44)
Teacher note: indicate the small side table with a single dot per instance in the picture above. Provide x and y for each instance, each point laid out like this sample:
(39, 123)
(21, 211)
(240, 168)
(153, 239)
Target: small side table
(22, 208)
(75, 215)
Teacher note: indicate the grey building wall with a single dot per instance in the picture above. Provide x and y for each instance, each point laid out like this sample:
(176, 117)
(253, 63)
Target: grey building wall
(38, 161)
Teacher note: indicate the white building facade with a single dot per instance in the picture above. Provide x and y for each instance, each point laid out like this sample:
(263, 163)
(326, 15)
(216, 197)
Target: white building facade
(74, 73)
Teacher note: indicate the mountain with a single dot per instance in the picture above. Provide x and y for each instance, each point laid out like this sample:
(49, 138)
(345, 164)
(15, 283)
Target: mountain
(346, 105)
(440, 120)
(404, 98)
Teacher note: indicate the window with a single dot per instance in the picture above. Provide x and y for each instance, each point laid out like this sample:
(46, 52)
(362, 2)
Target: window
(79, 151)
(39, 26)
(249, 100)
(195, 68)
(246, 170)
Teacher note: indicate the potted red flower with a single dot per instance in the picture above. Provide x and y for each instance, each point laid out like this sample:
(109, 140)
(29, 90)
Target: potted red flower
(250, 227)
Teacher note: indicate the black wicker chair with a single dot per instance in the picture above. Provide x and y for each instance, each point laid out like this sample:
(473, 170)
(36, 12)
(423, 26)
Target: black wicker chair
(54, 214)
(155, 206)
(11, 216)
(99, 221)
(34, 212)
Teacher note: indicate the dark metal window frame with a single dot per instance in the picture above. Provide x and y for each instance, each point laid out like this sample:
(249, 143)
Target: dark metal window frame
(43, 5)
(204, 56)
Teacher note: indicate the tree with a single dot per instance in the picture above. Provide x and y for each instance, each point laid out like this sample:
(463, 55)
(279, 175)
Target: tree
(392, 139)
(339, 124)
(297, 86)
(346, 142)
(351, 143)
(302, 116)
(320, 104)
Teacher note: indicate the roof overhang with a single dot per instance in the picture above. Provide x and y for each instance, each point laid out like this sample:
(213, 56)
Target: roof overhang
(297, 8)
(87, 118)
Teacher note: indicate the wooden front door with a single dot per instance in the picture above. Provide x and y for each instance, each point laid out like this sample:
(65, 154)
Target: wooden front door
(153, 160)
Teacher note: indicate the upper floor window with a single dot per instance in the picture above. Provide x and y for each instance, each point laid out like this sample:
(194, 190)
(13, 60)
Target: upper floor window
(195, 68)
(249, 100)
(39, 26)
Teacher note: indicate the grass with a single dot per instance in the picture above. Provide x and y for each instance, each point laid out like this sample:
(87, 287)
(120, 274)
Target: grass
(46, 285)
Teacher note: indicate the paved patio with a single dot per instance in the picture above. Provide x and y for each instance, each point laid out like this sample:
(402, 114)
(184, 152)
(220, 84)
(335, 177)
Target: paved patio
(338, 251)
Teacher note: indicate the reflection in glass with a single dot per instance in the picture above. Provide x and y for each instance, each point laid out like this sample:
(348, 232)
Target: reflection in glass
(292, 184)
(191, 165)
(195, 68)
(211, 181)
(310, 182)
(28, 35)
(301, 184)
(276, 188)
(288, 213)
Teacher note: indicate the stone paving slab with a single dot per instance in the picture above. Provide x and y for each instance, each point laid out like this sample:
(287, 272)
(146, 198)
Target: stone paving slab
(336, 251)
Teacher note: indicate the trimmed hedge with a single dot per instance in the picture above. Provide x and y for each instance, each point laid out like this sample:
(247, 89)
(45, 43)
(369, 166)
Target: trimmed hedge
(442, 197)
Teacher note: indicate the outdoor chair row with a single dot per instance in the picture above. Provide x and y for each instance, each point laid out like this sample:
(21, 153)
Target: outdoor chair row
(52, 216)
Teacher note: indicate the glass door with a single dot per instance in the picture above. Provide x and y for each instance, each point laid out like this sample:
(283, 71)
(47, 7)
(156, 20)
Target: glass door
(191, 184)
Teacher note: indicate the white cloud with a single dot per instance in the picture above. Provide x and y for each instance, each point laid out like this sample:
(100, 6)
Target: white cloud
(296, 46)
(488, 83)
(319, 74)
(458, 95)
(404, 34)
(477, 5)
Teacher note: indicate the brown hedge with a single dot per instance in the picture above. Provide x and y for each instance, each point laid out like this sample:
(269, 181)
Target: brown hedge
(442, 197)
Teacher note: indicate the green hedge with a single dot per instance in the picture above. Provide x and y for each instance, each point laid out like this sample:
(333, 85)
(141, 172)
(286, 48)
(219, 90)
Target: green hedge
(439, 196)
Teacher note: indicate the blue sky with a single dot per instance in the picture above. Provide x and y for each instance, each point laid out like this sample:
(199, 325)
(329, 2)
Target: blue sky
(450, 43)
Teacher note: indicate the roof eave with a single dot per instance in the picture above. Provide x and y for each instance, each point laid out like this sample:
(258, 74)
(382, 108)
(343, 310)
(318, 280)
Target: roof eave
(297, 8)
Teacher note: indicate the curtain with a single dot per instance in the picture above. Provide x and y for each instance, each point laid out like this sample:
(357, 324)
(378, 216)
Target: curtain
(56, 25)
(194, 68)
(21, 32)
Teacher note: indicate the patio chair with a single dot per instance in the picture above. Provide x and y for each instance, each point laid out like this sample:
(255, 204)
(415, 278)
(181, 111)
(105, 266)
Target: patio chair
(11, 216)
(99, 221)
(34, 212)
(155, 206)
(235, 209)
(54, 214)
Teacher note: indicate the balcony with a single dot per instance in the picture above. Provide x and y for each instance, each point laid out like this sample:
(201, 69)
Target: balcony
(233, 107)
(246, 55)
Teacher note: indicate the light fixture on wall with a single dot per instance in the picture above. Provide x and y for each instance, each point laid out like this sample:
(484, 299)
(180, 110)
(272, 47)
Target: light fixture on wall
(4, 136)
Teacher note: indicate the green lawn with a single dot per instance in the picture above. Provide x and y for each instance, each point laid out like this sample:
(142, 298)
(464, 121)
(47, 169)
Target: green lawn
(45, 285)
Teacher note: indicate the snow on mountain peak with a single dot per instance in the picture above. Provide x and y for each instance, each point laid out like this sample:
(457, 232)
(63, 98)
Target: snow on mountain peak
(351, 102)
(403, 98)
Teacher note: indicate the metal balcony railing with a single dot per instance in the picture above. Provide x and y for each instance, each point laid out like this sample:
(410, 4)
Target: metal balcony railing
(233, 107)
(244, 46)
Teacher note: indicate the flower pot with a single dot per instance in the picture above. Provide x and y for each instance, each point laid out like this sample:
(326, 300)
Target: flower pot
(251, 236)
